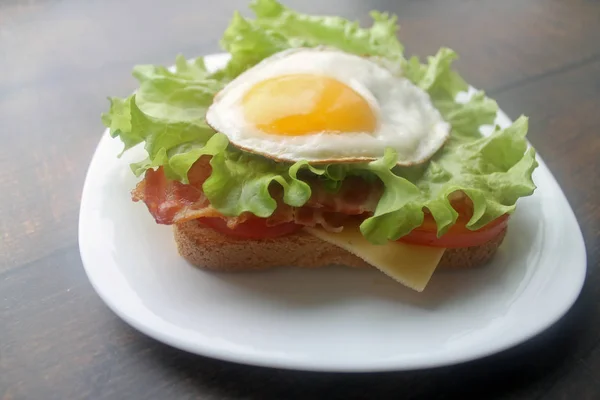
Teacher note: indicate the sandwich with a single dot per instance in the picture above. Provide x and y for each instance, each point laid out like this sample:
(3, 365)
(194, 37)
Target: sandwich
(320, 143)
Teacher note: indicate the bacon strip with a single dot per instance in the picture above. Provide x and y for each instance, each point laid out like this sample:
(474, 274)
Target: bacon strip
(172, 202)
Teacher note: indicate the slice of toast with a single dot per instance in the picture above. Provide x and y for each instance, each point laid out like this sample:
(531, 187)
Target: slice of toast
(209, 249)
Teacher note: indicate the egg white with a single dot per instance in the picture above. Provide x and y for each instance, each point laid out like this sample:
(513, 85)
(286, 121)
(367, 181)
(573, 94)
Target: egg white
(407, 121)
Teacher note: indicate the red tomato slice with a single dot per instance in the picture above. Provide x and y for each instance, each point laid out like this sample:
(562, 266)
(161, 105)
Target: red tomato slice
(458, 235)
(254, 228)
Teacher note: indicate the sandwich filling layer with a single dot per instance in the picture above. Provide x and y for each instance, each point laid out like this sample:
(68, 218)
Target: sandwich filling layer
(307, 141)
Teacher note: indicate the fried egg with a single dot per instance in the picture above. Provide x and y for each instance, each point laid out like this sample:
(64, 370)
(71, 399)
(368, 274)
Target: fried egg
(327, 106)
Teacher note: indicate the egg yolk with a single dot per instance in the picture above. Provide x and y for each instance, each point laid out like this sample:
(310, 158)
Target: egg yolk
(301, 104)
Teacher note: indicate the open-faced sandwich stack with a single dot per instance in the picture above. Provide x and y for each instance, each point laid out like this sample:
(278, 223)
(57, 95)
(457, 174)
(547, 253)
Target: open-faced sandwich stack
(320, 143)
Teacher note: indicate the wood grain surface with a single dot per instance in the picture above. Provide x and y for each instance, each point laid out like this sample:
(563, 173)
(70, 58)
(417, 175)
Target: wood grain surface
(59, 59)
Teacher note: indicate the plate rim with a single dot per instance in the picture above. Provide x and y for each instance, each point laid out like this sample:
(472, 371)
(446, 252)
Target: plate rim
(299, 364)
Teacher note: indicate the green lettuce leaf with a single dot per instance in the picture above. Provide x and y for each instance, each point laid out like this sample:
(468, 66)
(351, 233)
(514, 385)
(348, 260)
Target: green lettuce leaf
(248, 44)
(278, 28)
(185, 70)
(118, 122)
(494, 172)
(167, 115)
(443, 85)
(303, 30)
(240, 183)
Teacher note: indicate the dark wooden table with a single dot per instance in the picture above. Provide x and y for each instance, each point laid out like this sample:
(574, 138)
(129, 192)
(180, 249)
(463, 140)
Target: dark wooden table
(60, 59)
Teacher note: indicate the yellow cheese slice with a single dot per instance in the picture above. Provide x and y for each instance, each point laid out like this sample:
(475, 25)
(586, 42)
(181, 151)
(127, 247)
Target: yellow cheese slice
(410, 265)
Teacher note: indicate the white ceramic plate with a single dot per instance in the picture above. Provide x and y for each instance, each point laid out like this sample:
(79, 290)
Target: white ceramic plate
(334, 319)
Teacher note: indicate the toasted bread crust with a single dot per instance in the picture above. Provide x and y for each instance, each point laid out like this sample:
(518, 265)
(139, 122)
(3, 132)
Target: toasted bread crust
(209, 249)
